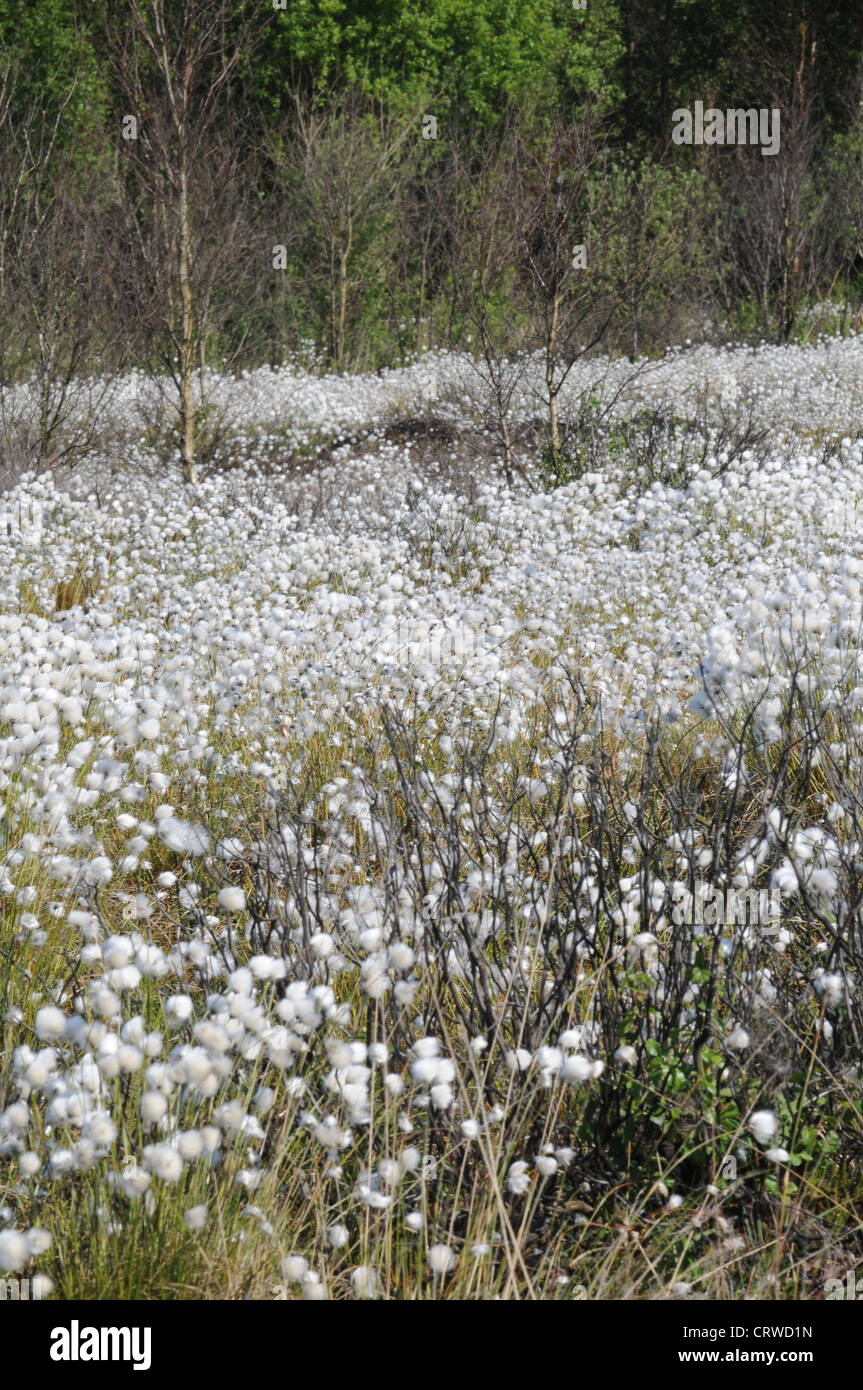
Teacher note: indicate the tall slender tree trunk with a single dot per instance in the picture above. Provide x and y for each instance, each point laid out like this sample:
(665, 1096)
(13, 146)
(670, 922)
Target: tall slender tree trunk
(550, 386)
(422, 293)
(343, 310)
(508, 451)
(786, 312)
(187, 347)
(344, 253)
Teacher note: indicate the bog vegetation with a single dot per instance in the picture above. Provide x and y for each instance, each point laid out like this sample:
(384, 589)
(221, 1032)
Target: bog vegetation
(416, 672)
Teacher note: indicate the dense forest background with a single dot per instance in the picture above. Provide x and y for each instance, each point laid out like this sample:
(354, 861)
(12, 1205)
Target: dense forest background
(186, 183)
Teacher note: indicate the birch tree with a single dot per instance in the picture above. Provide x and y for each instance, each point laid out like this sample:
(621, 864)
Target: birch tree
(174, 62)
(50, 292)
(344, 166)
(561, 222)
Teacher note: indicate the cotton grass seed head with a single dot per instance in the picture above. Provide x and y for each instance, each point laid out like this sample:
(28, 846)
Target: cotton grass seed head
(441, 1259)
(364, 1281)
(232, 900)
(163, 1162)
(293, 1267)
(518, 1180)
(762, 1126)
(49, 1023)
(14, 1250)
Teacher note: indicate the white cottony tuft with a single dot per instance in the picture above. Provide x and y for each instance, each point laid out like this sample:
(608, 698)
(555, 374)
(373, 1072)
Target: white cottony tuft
(762, 1126)
(576, 1069)
(441, 1259)
(829, 987)
(232, 900)
(14, 1250)
(183, 837)
(49, 1023)
(518, 1181)
(364, 1281)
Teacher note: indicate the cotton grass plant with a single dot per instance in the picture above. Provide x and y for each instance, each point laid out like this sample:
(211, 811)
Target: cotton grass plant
(338, 962)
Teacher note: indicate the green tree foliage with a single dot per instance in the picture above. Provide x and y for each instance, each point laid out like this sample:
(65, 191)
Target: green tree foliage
(50, 43)
(693, 239)
(472, 53)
